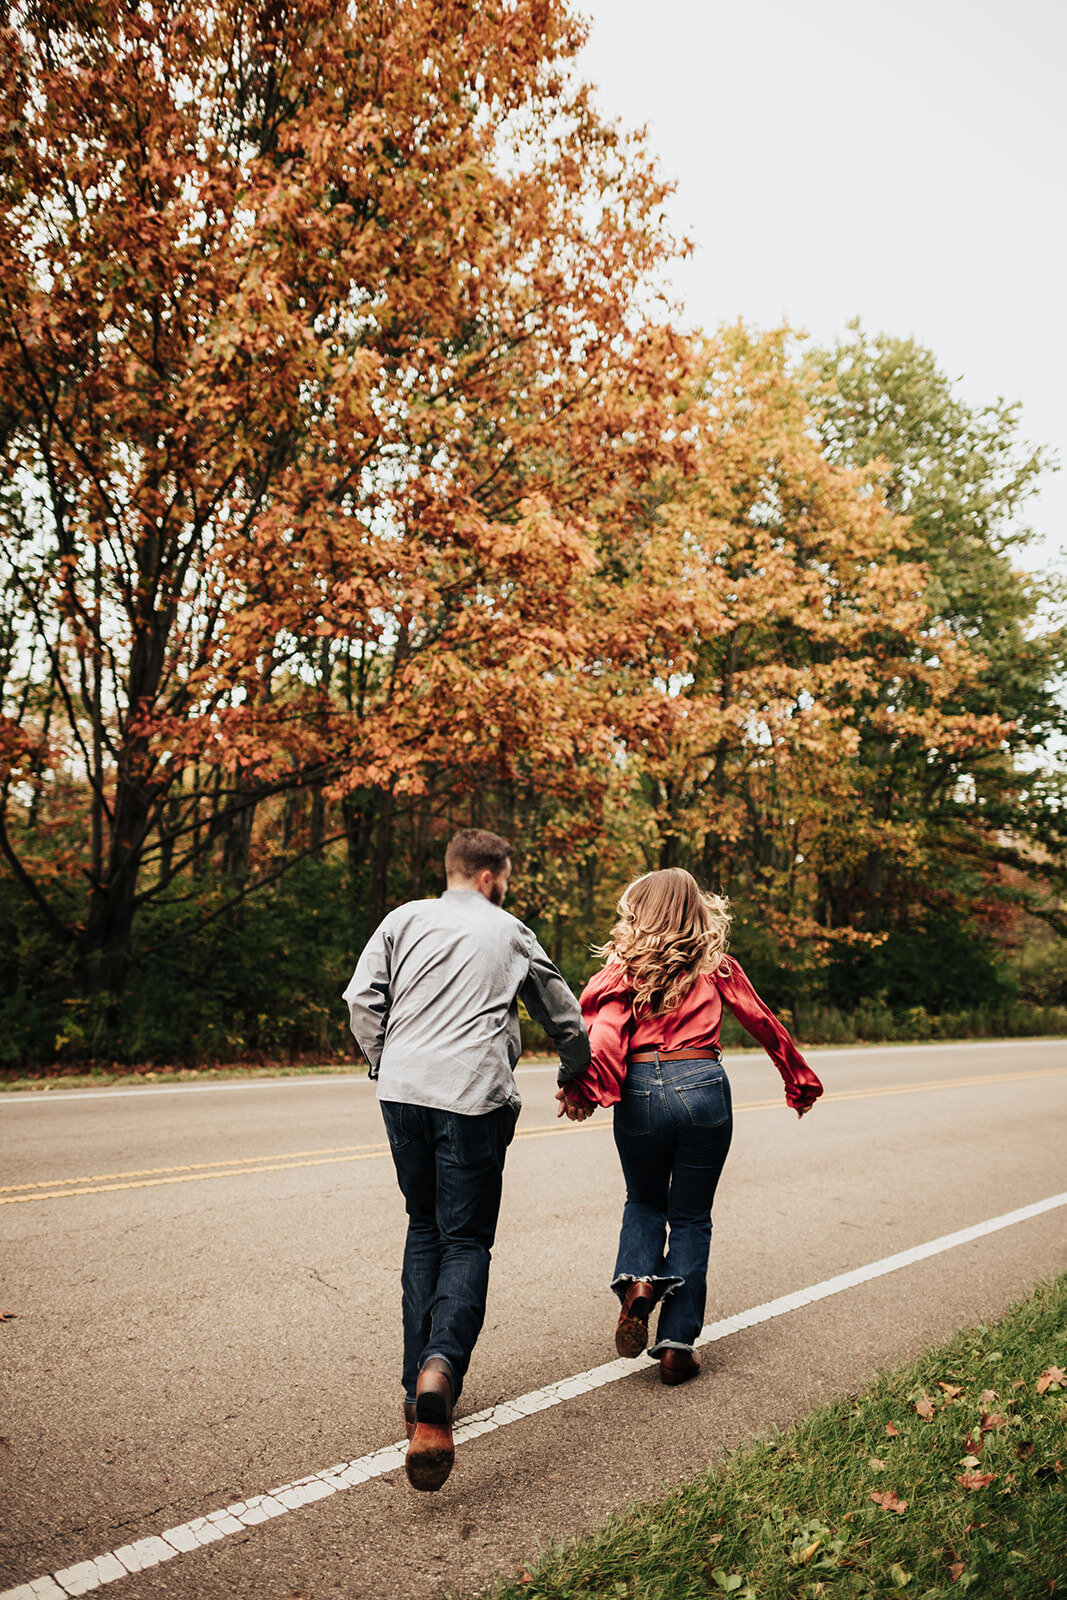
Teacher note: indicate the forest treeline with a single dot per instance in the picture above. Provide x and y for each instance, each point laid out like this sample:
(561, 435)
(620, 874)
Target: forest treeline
(357, 483)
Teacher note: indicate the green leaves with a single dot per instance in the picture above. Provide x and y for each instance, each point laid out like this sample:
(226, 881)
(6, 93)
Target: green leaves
(731, 1583)
(960, 476)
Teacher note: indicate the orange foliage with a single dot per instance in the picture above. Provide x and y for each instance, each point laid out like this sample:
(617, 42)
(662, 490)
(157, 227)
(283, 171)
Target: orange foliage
(319, 335)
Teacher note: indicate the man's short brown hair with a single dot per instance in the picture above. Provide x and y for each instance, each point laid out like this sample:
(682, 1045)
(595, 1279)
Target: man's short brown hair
(472, 850)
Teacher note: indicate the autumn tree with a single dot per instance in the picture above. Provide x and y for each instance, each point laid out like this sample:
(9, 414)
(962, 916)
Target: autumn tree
(319, 328)
(977, 809)
(771, 616)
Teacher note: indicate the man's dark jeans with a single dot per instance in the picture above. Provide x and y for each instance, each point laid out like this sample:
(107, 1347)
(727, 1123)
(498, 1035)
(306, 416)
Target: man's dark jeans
(449, 1168)
(672, 1132)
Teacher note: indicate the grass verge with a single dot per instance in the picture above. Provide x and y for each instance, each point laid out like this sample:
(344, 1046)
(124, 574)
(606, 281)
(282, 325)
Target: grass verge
(115, 1077)
(948, 1477)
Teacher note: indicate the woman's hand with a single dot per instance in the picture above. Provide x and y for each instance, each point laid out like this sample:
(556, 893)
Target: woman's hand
(577, 1110)
(803, 1090)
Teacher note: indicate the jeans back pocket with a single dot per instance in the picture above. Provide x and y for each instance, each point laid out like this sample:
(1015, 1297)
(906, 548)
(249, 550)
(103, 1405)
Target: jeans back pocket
(633, 1112)
(707, 1104)
(396, 1131)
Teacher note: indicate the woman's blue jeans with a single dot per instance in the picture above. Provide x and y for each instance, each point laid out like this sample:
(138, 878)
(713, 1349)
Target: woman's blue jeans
(449, 1168)
(672, 1131)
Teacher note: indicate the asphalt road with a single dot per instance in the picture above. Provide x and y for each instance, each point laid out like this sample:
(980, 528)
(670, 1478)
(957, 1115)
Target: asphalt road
(204, 1284)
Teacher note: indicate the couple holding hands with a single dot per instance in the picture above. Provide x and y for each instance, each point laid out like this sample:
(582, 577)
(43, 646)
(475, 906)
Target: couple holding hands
(433, 1006)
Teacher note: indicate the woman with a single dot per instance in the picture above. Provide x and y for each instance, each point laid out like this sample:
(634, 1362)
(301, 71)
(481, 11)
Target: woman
(653, 1015)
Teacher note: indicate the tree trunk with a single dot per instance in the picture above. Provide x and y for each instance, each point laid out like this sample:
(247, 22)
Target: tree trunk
(104, 947)
(358, 815)
(380, 861)
(421, 848)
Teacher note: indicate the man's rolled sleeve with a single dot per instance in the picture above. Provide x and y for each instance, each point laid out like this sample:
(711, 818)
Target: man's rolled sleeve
(368, 999)
(552, 1005)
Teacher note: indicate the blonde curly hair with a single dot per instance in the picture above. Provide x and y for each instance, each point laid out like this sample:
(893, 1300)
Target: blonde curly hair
(669, 932)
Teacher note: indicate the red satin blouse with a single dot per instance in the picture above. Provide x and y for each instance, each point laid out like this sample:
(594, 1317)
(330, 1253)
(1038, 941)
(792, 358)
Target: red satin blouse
(615, 1032)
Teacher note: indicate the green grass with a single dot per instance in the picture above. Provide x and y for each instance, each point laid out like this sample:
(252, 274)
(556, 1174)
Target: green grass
(947, 1478)
(112, 1077)
(872, 1023)
(56, 1076)
(819, 1025)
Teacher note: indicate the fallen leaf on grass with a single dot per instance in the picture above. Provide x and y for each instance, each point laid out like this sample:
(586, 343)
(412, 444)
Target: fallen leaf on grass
(1050, 1376)
(802, 1557)
(972, 1444)
(1024, 1449)
(969, 1462)
(955, 1571)
(525, 1577)
(925, 1408)
(952, 1390)
(987, 1396)
(892, 1431)
(975, 1480)
(988, 1423)
(889, 1500)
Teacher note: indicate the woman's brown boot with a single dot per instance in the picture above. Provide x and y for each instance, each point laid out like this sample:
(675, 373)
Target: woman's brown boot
(677, 1366)
(631, 1330)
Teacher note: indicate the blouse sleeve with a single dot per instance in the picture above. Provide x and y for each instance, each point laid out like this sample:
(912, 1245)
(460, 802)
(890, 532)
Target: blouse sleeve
(802, 1087)
(607, 1015)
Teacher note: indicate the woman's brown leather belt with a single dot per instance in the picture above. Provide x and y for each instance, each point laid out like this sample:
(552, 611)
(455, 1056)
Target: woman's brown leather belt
(709, 1054)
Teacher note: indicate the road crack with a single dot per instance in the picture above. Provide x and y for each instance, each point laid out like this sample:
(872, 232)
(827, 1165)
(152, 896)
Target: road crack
(313, 1272)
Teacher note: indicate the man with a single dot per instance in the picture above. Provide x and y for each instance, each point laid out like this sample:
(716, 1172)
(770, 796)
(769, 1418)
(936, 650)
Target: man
(433, 1005)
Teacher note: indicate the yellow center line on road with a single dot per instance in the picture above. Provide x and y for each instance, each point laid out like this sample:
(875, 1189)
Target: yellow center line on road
(196, 1166)
(341, 1155)
(373, 1153)
(950, 1083)
(848, 1094)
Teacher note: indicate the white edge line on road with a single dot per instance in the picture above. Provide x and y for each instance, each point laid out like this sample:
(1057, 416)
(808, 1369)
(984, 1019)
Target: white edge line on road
(86, 1576)
(299, 1081)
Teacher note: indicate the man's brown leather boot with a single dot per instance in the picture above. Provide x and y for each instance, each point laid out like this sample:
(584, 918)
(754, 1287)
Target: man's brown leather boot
(431, 1452)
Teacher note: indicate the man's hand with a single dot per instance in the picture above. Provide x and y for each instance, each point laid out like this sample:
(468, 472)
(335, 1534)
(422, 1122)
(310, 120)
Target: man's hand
(571, 1105)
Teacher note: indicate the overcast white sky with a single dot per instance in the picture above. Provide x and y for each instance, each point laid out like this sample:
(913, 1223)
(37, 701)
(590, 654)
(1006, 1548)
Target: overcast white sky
(904, 163)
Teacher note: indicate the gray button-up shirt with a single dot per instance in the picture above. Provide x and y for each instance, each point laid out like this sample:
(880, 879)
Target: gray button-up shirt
(433, 1004)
